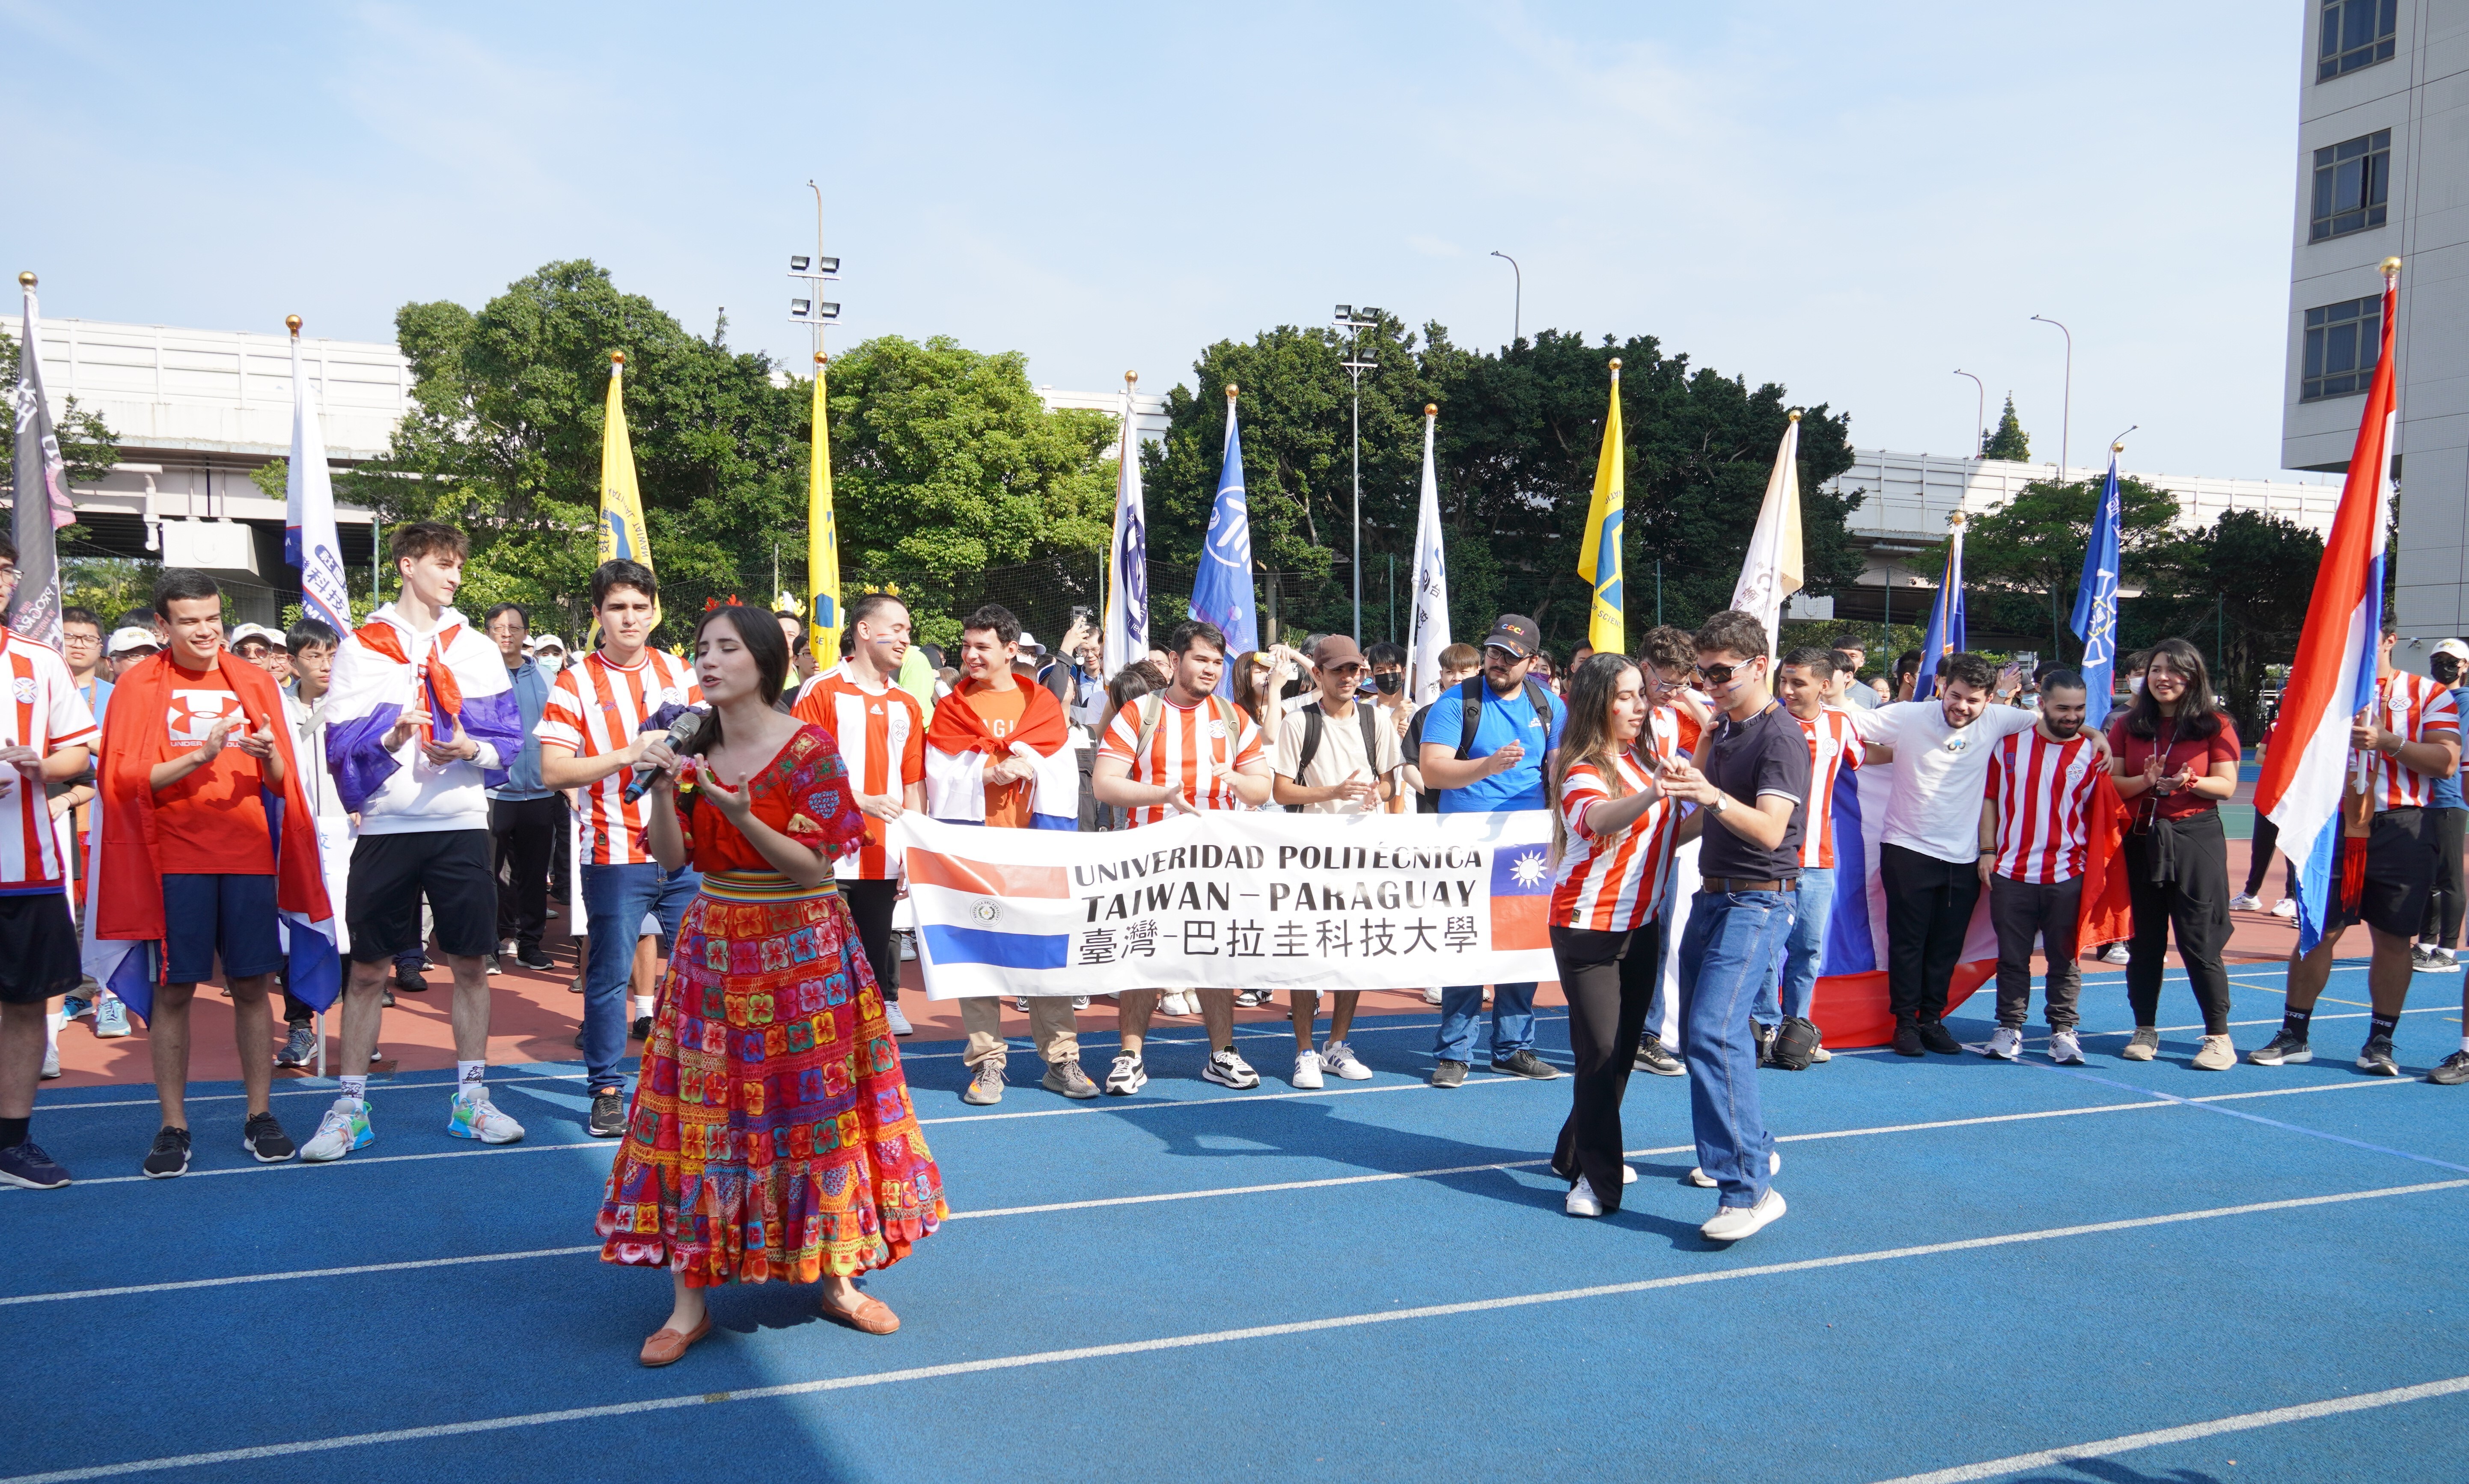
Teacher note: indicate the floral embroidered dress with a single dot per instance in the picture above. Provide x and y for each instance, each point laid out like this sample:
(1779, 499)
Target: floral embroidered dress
(771, 1135)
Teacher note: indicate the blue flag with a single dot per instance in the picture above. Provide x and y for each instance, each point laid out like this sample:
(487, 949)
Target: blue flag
(1945, 635)
(2095, 617)
(1222, 593)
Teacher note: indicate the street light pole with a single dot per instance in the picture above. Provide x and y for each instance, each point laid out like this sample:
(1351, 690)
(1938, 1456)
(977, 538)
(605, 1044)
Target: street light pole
(1517, 305)
(1979, 412)
(1356, 364)
(2066, 416)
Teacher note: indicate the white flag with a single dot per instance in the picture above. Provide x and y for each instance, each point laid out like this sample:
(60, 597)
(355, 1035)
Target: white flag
(309, 539)
(1771, 572)
(1126, 636)
(1428, 634)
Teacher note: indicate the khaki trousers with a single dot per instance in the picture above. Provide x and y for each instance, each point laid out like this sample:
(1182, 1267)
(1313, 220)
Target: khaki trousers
(1050, 1021)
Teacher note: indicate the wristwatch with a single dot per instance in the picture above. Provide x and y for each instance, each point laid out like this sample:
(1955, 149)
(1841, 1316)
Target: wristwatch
(1723, 802)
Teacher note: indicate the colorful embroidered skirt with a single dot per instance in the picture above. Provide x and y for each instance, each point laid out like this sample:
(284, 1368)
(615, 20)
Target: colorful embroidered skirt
(771, 1135)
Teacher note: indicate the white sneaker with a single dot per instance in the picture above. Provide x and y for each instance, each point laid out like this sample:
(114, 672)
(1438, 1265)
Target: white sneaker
(2245, 902)
(2065, 1049)
(1020, 1002)
(1306, 1069)
(897, 1022)
(1628, 1175)
(1080, 1002)
(1338, 1056)
(2005, 1043)
(1174, 1003)
(1581, 1200)
(2116, 953)
(1731, 1223)
(51, 1061)
(476, 1117)
(110, 1018)
(1228, 1069)
(908, 948)
(344, 1129)
(2442, 961)
(2286, 907)
(1431, 997)
(1699, 1177)
(1129, 1076)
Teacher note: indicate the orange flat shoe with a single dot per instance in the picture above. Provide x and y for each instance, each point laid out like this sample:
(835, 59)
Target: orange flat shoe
(872, 1316)
(668, 1347)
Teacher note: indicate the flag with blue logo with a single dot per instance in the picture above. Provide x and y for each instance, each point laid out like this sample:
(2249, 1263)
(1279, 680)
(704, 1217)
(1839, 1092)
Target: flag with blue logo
(310, 541)
(2096, 616)
(1222, 593)
(1125, 636)
(1945, 633)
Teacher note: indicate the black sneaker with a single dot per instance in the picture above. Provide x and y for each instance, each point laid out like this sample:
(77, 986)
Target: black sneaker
(1446, 1073)
(265, 1138)
(534, 957)
(409, 981)
(27, 1167)
(608, 1115)
(2454, 1071)
(2375, 1058)
(1907, 1041)
(640, 1030)
(2283, 1049)
(1938, 1039)
(1524, 1062)
(170, 1155)
(1653, 1058)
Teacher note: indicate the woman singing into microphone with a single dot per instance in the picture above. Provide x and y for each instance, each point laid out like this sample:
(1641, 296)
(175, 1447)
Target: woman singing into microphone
(771, 1135)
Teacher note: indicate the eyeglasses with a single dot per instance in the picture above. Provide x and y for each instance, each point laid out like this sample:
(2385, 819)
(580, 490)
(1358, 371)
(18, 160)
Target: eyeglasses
(81, 641)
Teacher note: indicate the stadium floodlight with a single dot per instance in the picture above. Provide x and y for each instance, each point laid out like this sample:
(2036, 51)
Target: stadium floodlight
(812, 265)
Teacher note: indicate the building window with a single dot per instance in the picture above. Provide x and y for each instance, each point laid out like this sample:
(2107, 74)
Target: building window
(2352, 185)
(2343, 341)
(2356, 34)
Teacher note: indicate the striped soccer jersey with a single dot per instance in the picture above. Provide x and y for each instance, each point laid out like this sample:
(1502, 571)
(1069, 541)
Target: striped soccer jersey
(596, 708)
(1833, 746)
(882, 737)
(1190, 745)
(43, 712)
(1615, 883)
(2415, 709)
(2043, 791)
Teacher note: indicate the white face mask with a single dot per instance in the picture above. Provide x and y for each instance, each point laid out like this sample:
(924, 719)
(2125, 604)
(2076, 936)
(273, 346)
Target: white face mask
(551, 664)
(2138, 683)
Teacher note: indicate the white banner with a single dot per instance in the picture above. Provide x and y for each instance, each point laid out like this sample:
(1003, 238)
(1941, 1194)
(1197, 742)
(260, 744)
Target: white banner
(1231, 900)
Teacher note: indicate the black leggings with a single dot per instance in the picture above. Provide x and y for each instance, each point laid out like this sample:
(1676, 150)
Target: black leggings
(1608, 979)
(2196, 901)
(871, 905)
(2267, 839)
(2444, 903)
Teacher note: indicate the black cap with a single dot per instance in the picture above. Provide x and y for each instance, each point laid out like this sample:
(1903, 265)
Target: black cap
(1516, 633)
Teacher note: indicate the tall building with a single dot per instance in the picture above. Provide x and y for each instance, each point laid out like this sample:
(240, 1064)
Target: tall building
(2383, 170)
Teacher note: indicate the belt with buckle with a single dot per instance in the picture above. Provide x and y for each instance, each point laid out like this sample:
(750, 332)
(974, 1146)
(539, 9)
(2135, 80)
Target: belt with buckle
(1734, 883)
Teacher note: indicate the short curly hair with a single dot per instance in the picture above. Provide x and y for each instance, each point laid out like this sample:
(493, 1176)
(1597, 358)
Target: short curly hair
(1732, 631)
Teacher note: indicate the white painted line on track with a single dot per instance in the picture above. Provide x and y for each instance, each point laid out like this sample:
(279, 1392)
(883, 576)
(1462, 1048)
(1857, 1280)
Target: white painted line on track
(279, 1277)
(2245, 1421)
(326, 1089)
(1166, 1342)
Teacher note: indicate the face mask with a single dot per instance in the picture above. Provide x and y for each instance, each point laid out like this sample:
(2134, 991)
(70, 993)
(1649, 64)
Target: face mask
(551, 663)
(2138, 683)
(1387, 683)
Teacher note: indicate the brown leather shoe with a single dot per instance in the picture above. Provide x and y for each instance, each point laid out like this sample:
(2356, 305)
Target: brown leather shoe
(872, 1315)
(668, 1347)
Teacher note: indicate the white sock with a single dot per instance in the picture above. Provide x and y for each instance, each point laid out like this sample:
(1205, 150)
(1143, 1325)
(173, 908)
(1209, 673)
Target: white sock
(642, 1007)
(52, 1024)
(357, 1088)
(471, 1078)
(2464, 1043)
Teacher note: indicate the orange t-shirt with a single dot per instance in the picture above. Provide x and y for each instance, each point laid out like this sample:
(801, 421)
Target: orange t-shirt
(213, 821)
(1007, 805)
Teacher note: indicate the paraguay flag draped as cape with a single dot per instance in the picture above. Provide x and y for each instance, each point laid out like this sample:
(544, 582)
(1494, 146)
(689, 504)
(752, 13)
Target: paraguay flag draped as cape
(2306, 768)
(959, 744)
(453, 676)
(125, 912)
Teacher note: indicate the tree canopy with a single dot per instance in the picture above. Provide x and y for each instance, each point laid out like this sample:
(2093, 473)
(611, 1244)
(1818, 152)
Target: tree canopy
(2008, 440)
(2024, 560)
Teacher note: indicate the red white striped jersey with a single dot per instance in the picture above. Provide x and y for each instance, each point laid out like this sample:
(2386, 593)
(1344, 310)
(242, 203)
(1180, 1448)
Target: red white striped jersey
(2415, 709)
(1191, 745)
(1613, 884)
(881, 738)
(597, 708)
(2043, 791)
(1833, 746)
(44, 712)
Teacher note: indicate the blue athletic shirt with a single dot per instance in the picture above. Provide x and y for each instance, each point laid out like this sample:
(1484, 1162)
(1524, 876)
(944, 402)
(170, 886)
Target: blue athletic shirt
(1504, 719)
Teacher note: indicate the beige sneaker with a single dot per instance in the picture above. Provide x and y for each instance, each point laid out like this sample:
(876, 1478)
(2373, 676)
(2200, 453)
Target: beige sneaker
(2217, 1055)
(2145, 1045)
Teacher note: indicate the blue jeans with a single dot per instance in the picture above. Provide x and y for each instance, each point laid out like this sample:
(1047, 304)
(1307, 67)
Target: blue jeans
(1513, 1020)
(1812, 907)
(615, 899)
(1726, 952)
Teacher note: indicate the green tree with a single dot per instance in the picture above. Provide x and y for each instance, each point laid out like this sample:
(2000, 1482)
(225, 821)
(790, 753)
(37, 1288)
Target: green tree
(2238, 590)
(2009, 441)
(87, 446)
(2024, 560)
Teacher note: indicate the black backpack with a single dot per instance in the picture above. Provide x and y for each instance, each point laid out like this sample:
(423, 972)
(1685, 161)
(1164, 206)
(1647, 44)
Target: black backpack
(1311, 736)
(1471, 697)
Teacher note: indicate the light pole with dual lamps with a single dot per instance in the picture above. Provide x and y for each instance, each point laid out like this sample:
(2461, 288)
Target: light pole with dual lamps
(1355, 322)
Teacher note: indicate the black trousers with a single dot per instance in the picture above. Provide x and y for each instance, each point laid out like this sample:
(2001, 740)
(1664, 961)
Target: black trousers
(1608, 979)
(871, 905)
(2258, 860)
(2179, 876)
(1929, 910)
(2443, 907)
(526, 833)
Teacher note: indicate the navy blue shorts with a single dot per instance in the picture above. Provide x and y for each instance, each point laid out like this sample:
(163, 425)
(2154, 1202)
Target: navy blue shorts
(205, 914)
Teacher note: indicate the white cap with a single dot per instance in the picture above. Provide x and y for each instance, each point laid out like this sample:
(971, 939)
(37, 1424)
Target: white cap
(2454, 648)
(255, 631)
(124, 640)
(1029, 644)
(546, 642)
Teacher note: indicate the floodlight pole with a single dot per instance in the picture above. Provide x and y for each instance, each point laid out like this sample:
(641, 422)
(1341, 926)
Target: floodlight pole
(1517, 302)
(2066, 416)
(1979, 413)
(1355, 365)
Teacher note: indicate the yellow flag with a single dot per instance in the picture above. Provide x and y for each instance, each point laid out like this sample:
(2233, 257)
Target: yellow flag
(1598, 556)
(822, 539)
(622, 532)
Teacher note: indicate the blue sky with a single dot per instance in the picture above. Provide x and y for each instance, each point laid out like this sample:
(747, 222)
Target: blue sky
(1852, 200)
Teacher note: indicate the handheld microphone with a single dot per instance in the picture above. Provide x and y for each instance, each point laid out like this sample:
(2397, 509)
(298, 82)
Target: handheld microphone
(682, 728)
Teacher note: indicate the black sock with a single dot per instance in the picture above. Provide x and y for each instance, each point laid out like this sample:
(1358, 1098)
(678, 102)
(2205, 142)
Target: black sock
(2381, 1025)
(2292, 1021)
(12, 1131)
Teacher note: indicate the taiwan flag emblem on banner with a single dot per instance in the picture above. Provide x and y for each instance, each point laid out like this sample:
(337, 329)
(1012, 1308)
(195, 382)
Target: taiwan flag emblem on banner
(1522, 897)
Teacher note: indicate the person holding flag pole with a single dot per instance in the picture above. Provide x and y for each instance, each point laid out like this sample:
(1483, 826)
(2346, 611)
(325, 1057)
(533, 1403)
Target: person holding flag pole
(1599, 552)
(2352, 761)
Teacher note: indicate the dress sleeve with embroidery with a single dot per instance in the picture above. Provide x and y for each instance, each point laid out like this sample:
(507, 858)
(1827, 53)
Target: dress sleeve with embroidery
(818, 789)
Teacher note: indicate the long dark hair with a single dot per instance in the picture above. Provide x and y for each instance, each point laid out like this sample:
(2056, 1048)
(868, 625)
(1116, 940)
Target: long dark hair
(2199, 710)
(1589, 735)
(760, 632)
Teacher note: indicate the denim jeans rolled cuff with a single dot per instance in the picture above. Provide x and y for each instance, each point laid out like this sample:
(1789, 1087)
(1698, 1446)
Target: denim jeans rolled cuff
(1790, 992)
(1513, 1020)
(616, 901)
(1726, 950)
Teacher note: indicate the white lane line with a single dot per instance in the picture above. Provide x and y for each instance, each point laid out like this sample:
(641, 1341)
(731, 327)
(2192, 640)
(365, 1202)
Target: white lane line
(1145, 1104)
(1188, 1342)
(358, 1163)
(325, 1089)
(2245, 1421)
(1322, 1183)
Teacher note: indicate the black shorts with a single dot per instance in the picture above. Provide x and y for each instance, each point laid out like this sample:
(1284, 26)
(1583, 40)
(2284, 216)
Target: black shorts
(2400, 875)
(38, 947)
(390, 873)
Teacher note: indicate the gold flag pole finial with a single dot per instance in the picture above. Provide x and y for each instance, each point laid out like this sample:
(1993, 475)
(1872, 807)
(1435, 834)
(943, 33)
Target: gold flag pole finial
(1431, 409)
(1795, 416)
(821, 359)
(26, 280)
(1131, 378)
(1230, 392)
(1615, 368)
(616, 358)
(292, 322)
(2392, 268)
(2117, 447)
